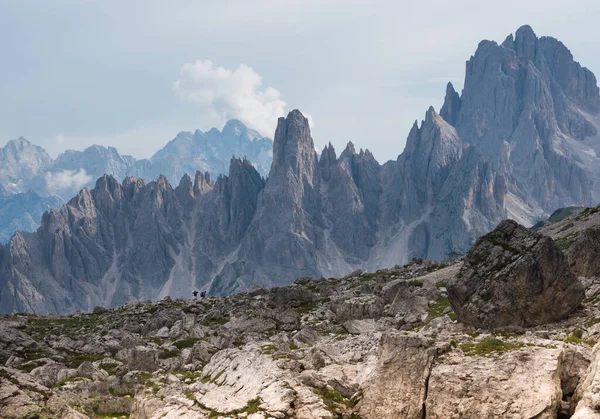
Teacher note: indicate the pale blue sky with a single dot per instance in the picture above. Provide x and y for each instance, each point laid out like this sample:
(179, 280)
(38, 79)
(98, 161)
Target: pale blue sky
(77, 72)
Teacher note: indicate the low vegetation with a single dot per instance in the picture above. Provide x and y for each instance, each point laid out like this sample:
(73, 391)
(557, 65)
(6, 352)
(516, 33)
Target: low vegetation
(489, 346)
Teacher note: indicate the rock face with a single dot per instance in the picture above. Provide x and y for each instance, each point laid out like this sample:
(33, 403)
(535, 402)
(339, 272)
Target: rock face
(399, 395)
(514, 277)
(484, 389)
(545, 104)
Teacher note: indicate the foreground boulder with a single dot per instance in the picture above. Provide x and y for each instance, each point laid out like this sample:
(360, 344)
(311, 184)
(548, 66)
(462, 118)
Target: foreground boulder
(514, 277)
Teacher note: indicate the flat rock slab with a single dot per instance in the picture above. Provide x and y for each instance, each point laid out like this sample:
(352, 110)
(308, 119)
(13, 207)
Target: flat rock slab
(523, 383)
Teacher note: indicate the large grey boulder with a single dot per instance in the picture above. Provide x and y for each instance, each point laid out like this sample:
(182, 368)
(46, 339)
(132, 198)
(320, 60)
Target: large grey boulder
(583, 253)
(514, 277)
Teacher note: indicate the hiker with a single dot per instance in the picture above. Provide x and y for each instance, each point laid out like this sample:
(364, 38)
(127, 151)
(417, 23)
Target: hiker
(195, 294)
(203, 294)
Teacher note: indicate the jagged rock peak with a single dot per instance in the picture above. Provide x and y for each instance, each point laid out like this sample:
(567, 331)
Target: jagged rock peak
(202, 183)
(451, 106)
(106, 183)
(509, 42)
(234, 127)
(349, 151)
(162, 182)
(18, 143)
(327, 161)
(242, 163)
(525, 43)
(185, 190)
(366, 153)
(430, 114)
(132, 185)
(133, 180)
(293, 146)
(328, 152)
(186, 182)
(434, 121)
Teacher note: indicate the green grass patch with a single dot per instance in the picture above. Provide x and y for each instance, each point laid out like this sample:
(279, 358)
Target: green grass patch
(111, 369)
(306, 308)
(415, 283)
(121, 392)
(332, 397)
(268, 349)
(435, 267)
(76, 360)
(186, 343)
(437, 310)
(144, 376)
(489, 346)
(216, 377)
(253, 406)
(192, 375)
(169, 353)
(32, 355)
(67, 380)
(576, 337)
(219, 321)
(206, 378)
(30, 366)
(109, 415)
(564, 243)
(503, 333)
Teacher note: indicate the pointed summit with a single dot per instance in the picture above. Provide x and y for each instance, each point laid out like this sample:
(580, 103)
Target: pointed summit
(327, 161)
(202, 183)
(349, 151)
(293, 146)
(525, 43)
(451, 106)
(234, 127)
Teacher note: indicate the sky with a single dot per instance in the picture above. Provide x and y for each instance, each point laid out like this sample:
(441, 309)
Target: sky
(133, 73)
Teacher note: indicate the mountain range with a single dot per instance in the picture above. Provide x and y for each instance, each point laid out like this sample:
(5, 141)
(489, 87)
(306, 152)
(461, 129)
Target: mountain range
(519, 142)
(35, 182)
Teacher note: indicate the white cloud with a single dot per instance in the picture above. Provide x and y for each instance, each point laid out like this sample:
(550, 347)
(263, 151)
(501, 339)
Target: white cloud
(224, 94)
(67, 179)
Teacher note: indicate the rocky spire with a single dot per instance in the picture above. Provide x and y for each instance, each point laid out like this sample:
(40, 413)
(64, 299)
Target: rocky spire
(107, 195)
(451, 106)
(349, 151)
(525, 43)
(132, 185)
(240, 194)
(293, 147)
(185, 190)
(202, 183)
(327, 161)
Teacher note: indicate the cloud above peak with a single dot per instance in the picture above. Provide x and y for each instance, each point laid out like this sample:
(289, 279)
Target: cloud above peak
(74, 179)
(224, 94)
